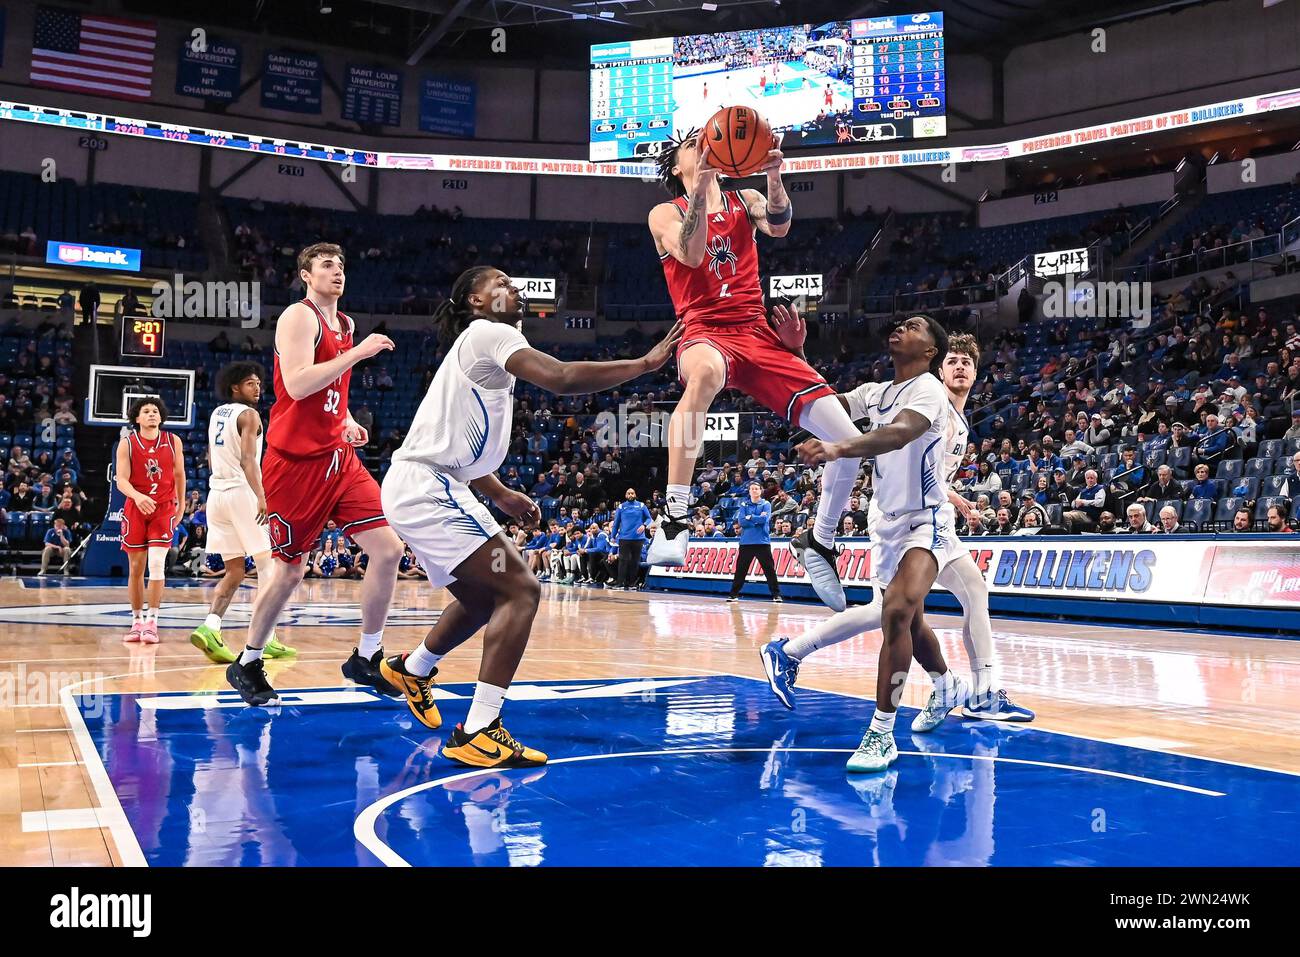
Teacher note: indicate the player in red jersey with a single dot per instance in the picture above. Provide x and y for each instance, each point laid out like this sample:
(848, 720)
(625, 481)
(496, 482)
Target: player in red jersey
(827, 97)
(311, 473)
(150, 472)
(706, 241)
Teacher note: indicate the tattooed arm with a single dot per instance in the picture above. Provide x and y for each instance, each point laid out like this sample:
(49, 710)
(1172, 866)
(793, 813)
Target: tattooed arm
(684, 237)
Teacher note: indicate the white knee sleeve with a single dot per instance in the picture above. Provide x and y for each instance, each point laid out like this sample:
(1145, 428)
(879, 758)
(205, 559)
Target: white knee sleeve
(157, 563)
(826, 419)
(967, 585)
(842, 626)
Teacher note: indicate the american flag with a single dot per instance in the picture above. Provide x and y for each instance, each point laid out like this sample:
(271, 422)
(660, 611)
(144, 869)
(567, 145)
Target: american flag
(92, 54)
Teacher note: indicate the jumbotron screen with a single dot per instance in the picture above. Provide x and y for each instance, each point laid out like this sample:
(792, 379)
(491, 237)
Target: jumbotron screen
(846, 82)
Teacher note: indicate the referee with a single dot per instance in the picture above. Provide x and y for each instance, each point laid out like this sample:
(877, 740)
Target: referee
(754, 517)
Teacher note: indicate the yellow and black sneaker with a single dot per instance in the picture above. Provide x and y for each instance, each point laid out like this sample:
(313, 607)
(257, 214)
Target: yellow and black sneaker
(418, 691)
(492, 747)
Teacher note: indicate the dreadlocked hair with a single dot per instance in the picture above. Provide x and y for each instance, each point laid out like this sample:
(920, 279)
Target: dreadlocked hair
(455, 313)
(666, 159)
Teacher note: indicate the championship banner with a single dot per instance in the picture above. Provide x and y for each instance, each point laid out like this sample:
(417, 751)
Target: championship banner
(372, 94)
(291, 81)
(211, 74)
(447, 106)
(1147, 568)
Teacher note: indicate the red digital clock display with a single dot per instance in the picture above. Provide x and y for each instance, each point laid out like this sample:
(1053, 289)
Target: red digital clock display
(142, 337)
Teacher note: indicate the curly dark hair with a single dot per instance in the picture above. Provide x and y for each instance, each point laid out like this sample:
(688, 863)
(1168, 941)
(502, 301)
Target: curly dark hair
(135, 408)
(666, 159)
(234, 373)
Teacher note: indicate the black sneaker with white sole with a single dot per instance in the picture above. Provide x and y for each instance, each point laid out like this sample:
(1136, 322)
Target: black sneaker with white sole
(365, 672)
(668, 547)
(820, 563)
(250, 681)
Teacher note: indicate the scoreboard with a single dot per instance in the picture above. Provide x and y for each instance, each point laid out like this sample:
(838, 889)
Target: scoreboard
(631, 96)
(840, 83)
(899, 85)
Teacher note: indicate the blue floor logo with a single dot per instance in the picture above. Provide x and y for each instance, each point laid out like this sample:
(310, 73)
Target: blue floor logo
(661, 771)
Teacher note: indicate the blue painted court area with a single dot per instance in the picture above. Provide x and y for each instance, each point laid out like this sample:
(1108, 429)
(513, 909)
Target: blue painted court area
(662, 771)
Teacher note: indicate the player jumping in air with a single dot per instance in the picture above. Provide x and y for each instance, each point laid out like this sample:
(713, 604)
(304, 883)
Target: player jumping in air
(705, 239)
(960, 575)
(150, 472)
(912, 540)
(236, 503)
(312, 473)
(457, 442)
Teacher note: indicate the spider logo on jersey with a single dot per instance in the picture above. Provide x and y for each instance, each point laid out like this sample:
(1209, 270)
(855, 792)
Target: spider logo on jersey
(152, 469)
(720, 254)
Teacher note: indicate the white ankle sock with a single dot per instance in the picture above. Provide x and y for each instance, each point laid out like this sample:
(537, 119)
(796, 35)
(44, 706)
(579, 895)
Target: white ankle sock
(485, 708)
(883, 721)
(369, 644)
(151, 614)
(679, 501)
(421, 661)
(213, 622)
(250, 655)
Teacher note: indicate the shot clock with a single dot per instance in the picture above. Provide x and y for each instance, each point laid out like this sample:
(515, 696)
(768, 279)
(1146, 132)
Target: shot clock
(142, 337)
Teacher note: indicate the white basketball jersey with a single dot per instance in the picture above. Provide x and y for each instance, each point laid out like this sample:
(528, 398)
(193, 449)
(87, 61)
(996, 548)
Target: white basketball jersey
(225, 452)
(957, 435)
(913, 477)
(462, 427)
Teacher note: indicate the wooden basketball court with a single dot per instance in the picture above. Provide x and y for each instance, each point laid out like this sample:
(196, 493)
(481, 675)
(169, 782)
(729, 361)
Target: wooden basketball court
(1230, 699)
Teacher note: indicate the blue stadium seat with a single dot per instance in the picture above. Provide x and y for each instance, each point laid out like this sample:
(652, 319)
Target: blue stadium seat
(1271, 449)
(1108, 461)
(1198, 512)
(1251, 486)
(1154, 460)
(1273, 485)
(1226, 508)
(1259, 467)
(1054, 514)
(1180, 460)
(1262, 506)
(1230, 469)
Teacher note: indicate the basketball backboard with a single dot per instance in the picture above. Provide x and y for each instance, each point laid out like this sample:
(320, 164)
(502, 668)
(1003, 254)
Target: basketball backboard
(114, 388)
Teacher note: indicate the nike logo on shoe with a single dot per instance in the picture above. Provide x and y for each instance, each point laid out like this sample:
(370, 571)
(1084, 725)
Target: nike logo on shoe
(487, 754)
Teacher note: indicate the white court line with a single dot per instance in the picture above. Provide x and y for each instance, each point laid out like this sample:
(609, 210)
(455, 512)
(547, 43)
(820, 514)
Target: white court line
(68, 819)
(49, 764)
(40, 730)
(363, 828)
(1035, 726)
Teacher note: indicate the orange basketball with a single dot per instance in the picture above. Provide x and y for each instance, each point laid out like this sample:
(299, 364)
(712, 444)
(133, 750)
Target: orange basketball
(738, 140)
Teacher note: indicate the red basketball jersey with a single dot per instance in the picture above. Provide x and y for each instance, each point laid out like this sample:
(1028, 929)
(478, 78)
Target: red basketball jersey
(301, 428)
(723, 289)
(153, 463)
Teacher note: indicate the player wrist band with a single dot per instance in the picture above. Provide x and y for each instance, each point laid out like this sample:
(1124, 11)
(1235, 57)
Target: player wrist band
(780, 216)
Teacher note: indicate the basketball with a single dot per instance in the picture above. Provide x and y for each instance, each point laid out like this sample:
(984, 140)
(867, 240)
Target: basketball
(739, 140)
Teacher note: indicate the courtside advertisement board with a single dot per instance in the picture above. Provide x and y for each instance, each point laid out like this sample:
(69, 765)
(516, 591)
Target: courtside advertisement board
(1151, 568)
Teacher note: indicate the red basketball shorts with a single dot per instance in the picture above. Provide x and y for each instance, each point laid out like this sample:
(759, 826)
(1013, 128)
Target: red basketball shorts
(760, 366)
(142, 531)
(303, 494)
